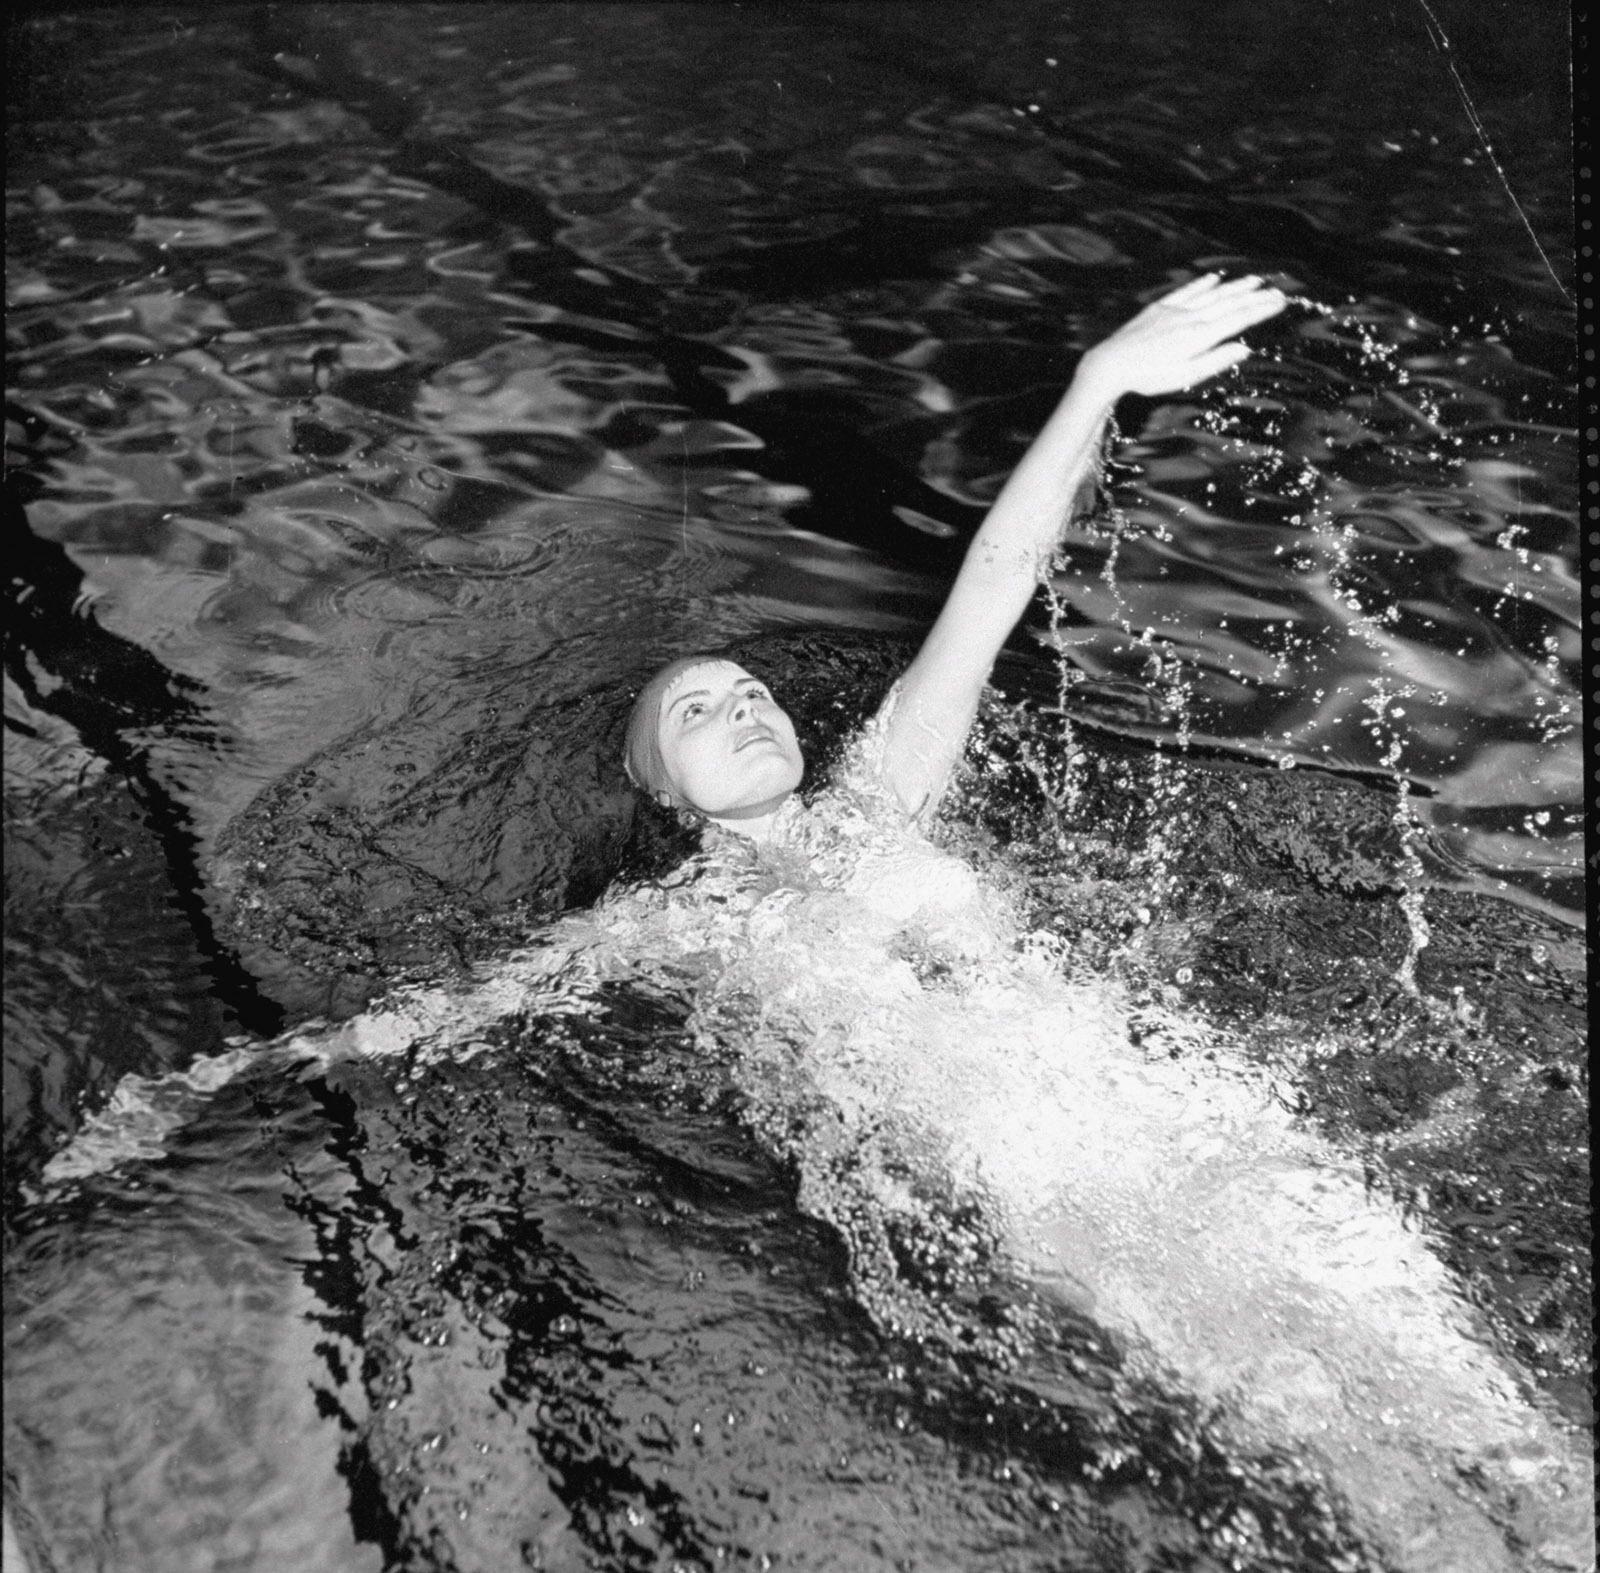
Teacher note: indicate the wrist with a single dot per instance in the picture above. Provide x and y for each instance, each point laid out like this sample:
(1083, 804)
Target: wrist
(1096, 383)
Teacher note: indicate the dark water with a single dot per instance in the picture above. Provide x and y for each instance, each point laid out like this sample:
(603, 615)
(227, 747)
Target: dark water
(391, 388)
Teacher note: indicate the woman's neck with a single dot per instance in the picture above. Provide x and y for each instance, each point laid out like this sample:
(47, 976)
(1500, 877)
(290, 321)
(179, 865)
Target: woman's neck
(757, 826)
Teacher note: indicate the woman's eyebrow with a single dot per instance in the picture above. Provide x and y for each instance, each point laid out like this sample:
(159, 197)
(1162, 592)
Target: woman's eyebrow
(693, 693)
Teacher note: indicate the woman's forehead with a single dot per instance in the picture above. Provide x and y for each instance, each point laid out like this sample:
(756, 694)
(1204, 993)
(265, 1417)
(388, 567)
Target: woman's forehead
(705, 674)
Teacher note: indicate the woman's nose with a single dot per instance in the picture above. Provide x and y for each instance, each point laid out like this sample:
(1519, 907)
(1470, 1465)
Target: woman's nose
(741, 707)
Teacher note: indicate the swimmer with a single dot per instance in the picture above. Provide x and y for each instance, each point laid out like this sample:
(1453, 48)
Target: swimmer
(1229, 1245)
(707, 736)
(881, 1017)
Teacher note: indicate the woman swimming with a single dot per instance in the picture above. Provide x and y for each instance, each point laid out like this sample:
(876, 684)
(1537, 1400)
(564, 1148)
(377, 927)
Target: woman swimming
(897, 1034)
(860, 971)
(707, 736)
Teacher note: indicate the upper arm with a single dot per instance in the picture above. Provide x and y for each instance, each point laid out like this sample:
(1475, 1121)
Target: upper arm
(937, 698)
(939, 694)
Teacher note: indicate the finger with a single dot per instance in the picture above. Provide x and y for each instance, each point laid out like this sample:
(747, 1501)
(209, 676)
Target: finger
(1210, 299)
(1242, 311)
(1237, 293)
(1245, 281)
(1193, 290)
(1218, 360)
(1257, 308)
(1231, 286)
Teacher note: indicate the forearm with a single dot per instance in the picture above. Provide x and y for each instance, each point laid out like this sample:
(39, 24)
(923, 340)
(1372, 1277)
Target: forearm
(940, 691)
(1177, 341)
(1014, 544)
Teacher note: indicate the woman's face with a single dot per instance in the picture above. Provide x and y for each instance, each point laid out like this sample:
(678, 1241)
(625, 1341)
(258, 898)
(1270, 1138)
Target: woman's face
(727, 747)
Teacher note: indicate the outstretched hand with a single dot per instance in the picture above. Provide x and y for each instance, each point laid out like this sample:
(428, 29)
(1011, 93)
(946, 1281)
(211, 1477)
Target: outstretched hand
(1181, 339)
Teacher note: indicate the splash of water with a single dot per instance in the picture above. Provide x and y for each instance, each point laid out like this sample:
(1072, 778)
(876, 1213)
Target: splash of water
(955, 1091)
(1165, 679)
(1325, 545)
(1384, 703)
(909, 1070)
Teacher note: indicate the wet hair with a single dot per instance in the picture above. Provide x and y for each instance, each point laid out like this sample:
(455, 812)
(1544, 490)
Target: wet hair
(641, 748)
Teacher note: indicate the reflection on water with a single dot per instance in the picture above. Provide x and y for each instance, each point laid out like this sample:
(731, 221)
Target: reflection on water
(410, 380)
(305, 377)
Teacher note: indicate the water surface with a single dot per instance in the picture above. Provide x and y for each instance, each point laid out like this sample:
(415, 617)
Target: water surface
(392, 388)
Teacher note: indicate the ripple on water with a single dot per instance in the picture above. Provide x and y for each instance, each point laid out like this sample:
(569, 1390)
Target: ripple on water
(419, 453)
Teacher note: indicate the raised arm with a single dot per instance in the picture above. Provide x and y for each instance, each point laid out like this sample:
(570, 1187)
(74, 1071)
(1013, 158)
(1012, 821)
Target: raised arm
(1179, 340)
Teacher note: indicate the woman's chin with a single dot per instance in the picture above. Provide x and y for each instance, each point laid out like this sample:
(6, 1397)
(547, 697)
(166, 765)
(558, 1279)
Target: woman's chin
(762, 790)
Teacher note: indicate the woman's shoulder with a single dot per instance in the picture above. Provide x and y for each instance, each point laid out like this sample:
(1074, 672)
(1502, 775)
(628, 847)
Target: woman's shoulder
(858, 785)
